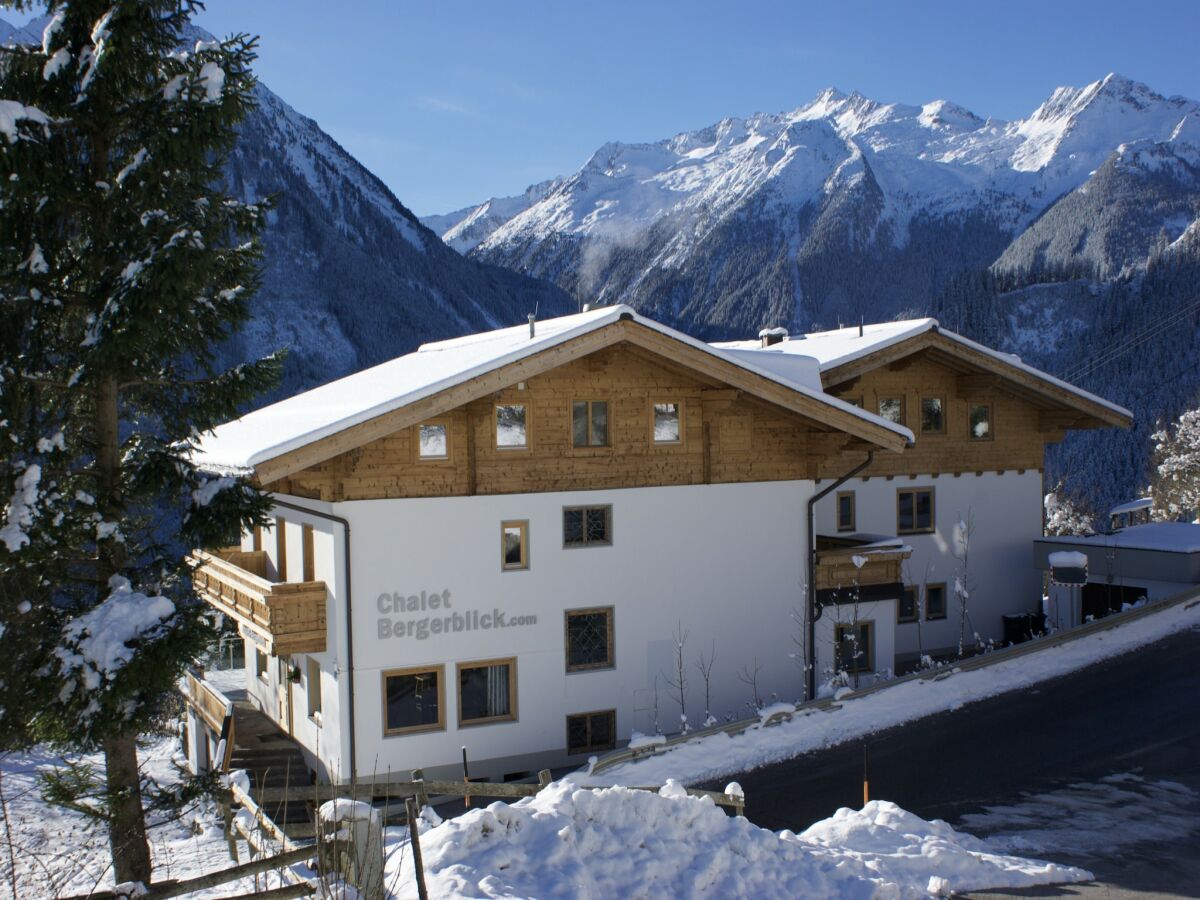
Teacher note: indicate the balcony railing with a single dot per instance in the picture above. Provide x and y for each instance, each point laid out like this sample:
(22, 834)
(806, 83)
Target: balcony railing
(285, 617)
(845, 564)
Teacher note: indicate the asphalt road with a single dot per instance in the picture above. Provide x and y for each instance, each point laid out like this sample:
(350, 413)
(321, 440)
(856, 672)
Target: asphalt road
(1138, 713)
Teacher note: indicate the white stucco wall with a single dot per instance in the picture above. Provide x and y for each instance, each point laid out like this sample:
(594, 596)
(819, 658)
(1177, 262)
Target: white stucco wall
(882, 615)
(1006, 510)
(723, 561)
(325, 741)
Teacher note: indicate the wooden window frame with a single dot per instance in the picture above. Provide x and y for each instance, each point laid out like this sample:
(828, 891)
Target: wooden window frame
(903, 407)
(591, 747)
(607, 507)
(523, 526)
(440, 724)
(853, 511)
(916, 616)
(308, 562)
(921, 424)
(991, 408)
(262, 665)
(837, 643)
(523, 448)
(661, 401)
(313, 689)
(280, 549)
(945, 602)
(444, 423)
(932, 510)
(608, 427)
(511, 662)
(611, 662)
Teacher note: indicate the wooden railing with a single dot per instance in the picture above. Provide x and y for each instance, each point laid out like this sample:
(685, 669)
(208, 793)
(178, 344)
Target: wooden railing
(215, 709)
(836, 568)
(287, 617)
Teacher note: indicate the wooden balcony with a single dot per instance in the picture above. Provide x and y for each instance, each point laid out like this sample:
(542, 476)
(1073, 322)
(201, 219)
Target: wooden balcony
(285, 617)
(870, 568)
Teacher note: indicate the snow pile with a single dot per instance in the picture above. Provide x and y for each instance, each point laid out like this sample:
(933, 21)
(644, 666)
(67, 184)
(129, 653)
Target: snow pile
(97, 643)
(623, 843)
(1068, 559)
(718, 755)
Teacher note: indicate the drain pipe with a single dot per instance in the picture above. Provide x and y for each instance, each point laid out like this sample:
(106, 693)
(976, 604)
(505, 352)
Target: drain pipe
(811, 683)
(349, 615)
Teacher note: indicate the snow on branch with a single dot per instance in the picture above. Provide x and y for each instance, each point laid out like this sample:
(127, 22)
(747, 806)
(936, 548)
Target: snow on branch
(96, 644)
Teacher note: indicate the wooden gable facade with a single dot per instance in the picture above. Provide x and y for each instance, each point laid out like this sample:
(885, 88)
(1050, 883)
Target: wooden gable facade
(1024, 410)
(734, 426)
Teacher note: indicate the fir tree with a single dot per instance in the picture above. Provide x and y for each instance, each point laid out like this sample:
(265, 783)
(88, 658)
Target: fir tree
(123, 267)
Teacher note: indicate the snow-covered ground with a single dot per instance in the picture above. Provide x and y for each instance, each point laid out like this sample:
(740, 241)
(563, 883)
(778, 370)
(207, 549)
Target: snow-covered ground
(566, 842)
(569, 842)
(48, 851)
(721, 755)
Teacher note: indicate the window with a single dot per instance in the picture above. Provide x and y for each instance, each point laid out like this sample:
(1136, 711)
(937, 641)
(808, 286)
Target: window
(933, 416)
(914, 510)
(487, 692)
(412, 700)
(854, 647)
(589, 423)
(512, 427)
(314, 689)
(280, 549)
(260, 664)
(514, 545)
(592, 731)
(935, 601)
(665, 423)
(589, 639)
(979, 421)
(906, 606)
(308, 562)
(587, 525)
(892, 409)
(433, 441)
(845, 511)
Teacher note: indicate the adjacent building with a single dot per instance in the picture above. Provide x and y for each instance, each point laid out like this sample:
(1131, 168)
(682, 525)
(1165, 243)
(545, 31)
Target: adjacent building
(523, 541)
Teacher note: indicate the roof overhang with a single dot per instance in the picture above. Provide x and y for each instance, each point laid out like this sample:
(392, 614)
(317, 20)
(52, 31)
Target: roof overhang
(1066, 406)
(835, 415)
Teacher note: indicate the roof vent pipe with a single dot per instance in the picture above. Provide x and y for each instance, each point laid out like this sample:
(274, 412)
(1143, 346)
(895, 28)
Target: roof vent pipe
(532, 322)
(860, 327)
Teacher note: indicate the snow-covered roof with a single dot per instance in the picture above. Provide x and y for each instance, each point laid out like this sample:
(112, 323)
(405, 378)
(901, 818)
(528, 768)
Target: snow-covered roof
(318, 413)
(1170, 537)
(1132, 506)
(832, 349)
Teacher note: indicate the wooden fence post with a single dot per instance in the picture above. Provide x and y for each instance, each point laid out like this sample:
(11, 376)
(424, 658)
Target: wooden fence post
(543, 778)
(415, 833)
(418, 777)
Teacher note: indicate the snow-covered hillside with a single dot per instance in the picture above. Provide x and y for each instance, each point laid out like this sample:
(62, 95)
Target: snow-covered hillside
(784, 200)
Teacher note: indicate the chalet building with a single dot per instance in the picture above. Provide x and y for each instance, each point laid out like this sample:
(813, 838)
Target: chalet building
(981, 420)
(496, 541)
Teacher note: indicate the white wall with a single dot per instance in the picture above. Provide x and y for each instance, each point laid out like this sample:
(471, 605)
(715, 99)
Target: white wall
(724, 561)
(882, 615)
(325, 741)
(1006, 510)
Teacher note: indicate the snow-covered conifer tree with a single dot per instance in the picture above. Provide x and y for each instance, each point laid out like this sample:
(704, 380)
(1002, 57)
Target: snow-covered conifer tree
(122, 267)
(1175, 482)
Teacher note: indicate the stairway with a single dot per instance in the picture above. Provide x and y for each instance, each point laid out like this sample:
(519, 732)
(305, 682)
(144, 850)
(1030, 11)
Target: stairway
(272, 760)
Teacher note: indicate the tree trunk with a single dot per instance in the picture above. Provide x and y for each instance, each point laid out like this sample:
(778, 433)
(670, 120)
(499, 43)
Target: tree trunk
(127, 826)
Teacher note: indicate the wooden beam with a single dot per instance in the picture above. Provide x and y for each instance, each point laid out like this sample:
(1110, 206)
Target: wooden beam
(968, 386)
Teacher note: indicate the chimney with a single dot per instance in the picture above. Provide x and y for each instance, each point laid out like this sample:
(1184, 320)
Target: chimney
(532, 322)
(772, 336)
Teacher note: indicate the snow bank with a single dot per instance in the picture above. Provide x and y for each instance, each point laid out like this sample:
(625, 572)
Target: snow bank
(719, 755)
(570, 842)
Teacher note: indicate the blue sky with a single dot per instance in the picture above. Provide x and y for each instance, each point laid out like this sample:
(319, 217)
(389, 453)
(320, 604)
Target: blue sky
(453, 101)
